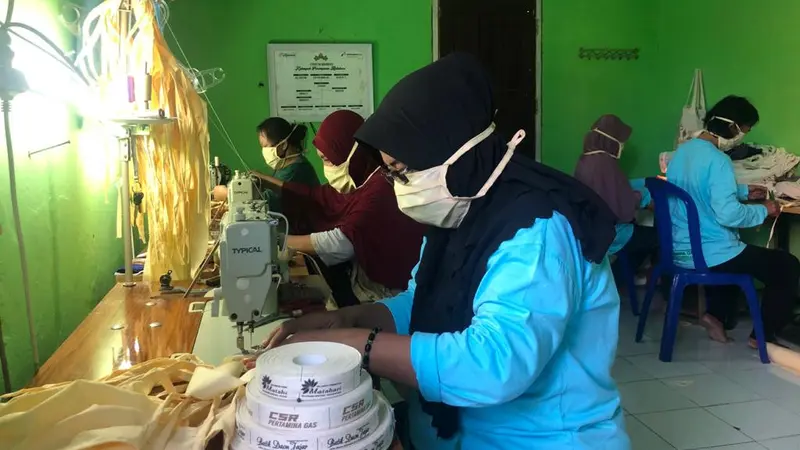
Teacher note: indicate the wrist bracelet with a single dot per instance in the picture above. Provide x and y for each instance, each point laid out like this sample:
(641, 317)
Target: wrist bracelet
(368, 348)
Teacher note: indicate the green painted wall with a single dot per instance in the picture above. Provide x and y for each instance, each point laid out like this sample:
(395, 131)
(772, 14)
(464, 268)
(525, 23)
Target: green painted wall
(741, 51)
(576, 92)
(744, 51)
(235, 37)
(69, 227)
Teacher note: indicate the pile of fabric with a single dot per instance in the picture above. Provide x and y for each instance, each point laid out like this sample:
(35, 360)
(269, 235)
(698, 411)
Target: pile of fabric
(763, 169)
(166, 403)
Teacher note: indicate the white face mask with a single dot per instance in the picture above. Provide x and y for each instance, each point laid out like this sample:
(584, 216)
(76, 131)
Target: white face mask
(339, 176)
(725, 144)
(621, 145)
(426, 198)
(271, 157)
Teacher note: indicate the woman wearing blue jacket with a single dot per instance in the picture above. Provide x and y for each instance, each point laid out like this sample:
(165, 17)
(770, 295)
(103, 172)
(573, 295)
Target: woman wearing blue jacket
(701, 168)
(508, 330)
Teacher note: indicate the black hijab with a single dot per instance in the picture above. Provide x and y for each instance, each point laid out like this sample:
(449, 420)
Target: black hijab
(422, 121)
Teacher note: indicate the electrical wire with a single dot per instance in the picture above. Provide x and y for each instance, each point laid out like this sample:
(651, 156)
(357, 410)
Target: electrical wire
(286, 229)
(313, 261)
(221, 125)
(65, 63)
(9, 12)
(12, 180)
(62, 56)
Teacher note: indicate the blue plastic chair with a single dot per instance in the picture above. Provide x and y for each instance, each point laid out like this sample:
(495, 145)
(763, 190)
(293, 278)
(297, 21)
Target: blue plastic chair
(628, 275)
(662, 191)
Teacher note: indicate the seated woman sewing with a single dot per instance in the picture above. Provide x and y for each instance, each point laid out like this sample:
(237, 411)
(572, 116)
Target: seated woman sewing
(282, 150)
(598, 168)
(354, 219)
(701, 168)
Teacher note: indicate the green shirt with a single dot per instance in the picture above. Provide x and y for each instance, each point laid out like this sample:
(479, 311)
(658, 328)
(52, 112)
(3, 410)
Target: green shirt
(300, 171)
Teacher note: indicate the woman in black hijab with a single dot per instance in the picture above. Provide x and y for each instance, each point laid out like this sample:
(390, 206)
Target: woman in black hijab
(509, 327)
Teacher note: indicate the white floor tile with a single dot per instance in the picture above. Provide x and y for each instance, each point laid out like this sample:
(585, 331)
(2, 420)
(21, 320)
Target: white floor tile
(651, 396)
(642, 438)
(789, 443)
(625, 372)
(627, 346)
(653, 366)
(732, 357)
(711, 389)
(745, 446)
(761, 420)
(692, 429)
(771, 382)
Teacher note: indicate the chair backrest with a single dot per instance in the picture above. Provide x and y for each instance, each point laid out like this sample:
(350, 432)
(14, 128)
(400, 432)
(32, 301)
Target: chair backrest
(661, 191)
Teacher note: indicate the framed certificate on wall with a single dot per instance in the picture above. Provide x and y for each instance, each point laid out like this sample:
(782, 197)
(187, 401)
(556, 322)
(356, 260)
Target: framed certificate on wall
(307, 82)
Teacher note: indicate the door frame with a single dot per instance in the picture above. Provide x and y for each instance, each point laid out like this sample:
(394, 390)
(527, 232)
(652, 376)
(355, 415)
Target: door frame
(537, 125)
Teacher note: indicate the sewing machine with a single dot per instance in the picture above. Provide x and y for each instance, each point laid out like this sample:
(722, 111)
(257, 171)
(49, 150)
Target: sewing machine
(251, 265)
(219, 174)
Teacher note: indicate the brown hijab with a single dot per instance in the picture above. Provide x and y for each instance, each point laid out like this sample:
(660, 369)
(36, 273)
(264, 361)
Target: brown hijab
(599, 168)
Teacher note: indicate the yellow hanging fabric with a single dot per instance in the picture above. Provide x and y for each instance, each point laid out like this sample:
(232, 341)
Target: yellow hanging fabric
(172, 160)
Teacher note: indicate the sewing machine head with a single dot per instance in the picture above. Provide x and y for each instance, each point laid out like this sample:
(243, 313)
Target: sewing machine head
(219, 174)
(250, 270)
(242, 190)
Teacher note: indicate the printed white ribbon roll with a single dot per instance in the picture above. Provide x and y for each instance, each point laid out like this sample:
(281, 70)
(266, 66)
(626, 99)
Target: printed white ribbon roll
(362, 430)
(309, 415)
(384, 435)
(308, 371)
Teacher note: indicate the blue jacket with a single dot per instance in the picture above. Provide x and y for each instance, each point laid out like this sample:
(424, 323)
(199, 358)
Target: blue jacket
(707, 174)
(533, 370)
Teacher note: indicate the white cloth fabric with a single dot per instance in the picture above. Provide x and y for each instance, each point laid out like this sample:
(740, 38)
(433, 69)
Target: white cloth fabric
(788, 189)
(332, 246)
(763, 169)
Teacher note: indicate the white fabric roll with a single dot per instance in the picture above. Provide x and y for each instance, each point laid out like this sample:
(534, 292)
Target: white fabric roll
(310, 415)
(308, 371)
(364, 430)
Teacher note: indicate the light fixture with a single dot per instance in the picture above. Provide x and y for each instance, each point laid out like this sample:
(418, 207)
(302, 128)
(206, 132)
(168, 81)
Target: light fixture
(12, 81)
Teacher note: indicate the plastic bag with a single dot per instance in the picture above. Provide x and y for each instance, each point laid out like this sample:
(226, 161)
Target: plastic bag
(694, 111)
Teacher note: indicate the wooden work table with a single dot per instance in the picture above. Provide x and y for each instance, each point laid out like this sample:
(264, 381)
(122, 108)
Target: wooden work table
(129, 326)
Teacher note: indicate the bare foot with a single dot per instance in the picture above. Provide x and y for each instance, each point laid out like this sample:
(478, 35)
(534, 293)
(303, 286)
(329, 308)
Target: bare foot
(754, 344)
(715, 329)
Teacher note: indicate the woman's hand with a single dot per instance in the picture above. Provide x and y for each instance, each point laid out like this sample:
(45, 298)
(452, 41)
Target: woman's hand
(353, 337)
(756, 192)
(312, 322)
(271, 182)
(257, 174)
(773, 208)
(220, 193)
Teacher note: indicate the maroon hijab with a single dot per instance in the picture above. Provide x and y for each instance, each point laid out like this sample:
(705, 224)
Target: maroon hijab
(599, 167)
(386, 241)
(335, 140)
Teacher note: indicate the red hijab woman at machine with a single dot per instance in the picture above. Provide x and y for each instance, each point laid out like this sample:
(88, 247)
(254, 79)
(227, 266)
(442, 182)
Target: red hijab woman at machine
(355, 217)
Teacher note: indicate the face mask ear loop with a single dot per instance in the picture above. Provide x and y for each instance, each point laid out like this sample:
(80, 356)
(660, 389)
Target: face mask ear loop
(512, 146)
(470, 145)
(285, 141)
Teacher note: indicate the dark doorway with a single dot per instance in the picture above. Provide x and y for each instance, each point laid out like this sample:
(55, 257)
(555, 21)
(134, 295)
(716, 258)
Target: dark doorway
(502, 34)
